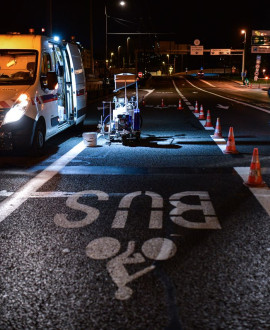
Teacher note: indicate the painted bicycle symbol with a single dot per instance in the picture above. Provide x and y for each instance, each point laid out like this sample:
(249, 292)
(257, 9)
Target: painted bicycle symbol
(107, 247)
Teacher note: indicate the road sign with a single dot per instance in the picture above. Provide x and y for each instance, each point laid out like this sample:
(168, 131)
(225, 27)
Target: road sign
(220, 52)
(140, 74)
(196, 50)
(260, 38)
(260, 33)
(260, 49)
(197, 42)
(257, 67)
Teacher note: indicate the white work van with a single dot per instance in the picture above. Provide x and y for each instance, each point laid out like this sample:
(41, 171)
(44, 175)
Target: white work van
(42, 89)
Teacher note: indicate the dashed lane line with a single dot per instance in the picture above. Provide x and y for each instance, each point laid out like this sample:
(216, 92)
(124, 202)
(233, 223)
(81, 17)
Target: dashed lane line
(11, 203)
(262, 194)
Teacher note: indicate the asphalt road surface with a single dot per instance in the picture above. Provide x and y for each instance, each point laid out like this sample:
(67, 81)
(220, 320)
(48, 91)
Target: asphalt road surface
(161, 234)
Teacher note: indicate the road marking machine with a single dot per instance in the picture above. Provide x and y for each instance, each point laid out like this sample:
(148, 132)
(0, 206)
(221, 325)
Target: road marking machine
(121, 119)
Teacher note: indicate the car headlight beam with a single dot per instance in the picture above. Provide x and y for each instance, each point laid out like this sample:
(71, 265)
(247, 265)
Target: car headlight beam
(17, 110)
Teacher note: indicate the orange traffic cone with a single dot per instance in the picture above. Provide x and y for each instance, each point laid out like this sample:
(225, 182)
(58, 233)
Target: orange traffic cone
(218, 134)
(208, 120)
(162, 103)
(230, 147)
(196, 107)
(180, 105)
(143, 101)
(201, 115)
(255, 177)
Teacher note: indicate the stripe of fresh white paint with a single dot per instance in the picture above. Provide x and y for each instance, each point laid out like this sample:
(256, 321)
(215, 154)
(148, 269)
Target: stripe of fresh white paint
(57, 194)
(191, 108)
(188, 103)
(221, 143)
(261, 194)
(227, 98)
(11, 203)
(202, 122)
(208, 83)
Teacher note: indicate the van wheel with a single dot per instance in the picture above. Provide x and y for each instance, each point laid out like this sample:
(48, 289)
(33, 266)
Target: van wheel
(39, 138)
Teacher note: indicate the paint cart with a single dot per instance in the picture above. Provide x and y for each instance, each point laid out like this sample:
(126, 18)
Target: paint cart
(121, 119)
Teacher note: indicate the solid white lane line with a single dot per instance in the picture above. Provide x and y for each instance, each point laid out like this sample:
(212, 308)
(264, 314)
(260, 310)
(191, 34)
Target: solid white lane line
(11, 203)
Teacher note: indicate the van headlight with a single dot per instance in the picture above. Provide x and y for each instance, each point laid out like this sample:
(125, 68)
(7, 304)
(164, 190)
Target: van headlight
(18, 109)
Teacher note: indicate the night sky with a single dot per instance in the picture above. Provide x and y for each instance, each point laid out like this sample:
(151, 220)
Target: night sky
(216, 26)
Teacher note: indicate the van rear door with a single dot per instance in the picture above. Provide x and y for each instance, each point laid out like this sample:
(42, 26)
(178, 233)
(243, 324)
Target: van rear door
(78, 80)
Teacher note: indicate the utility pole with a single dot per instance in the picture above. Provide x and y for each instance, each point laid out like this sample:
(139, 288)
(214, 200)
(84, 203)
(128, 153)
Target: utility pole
(50, 18)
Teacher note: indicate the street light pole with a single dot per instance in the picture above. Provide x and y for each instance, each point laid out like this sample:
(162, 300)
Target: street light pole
(244, 51)
(106, 37)
(122, 3)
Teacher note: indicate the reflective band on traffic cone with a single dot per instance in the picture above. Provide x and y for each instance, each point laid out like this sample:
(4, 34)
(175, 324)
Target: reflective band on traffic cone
(218, 134)
(180, 105)
(255, 177)
(162, 103)
(201, 116)
(208, 120)
(230, 147)
(196, 107)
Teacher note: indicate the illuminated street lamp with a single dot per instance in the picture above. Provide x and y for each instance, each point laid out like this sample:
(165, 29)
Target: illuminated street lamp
(244, 50)
(112, 54)
(122, 3)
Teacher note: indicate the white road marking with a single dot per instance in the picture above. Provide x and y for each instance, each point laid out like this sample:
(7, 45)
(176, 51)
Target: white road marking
(56, 194)
(159, 248)
(206, 206)
(222, 106)
(149, 91)
(230, 99)
(208, 83)
(11, 203)
(262, 194)
(221, 143)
